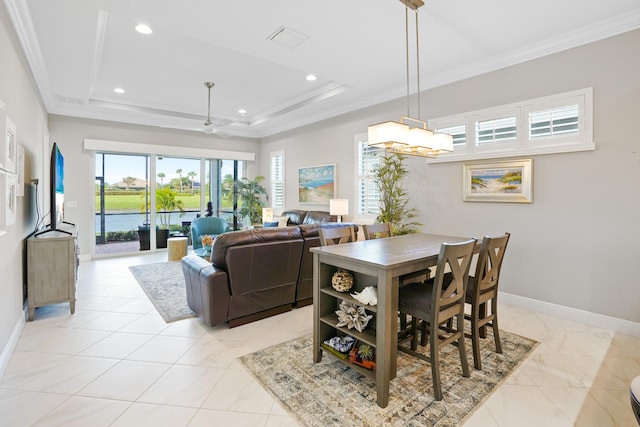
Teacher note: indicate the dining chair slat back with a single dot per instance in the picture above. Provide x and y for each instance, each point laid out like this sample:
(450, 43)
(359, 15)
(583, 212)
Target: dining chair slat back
(336, 236)
(377, 231)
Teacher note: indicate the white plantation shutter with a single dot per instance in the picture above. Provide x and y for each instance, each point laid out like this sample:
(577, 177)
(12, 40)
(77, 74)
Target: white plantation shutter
(496, 130)
(553, 122)
(368, 194)
(277, 179)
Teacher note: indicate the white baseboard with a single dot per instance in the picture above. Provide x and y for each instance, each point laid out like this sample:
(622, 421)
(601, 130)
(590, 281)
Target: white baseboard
(569, 313)
(8, 349)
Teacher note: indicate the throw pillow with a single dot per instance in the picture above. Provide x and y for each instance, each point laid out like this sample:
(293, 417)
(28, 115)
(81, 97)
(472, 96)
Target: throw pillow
(282, 220)
(270, 224)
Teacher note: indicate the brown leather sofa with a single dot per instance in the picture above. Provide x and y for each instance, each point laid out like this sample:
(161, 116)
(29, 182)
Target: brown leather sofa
(253, 274)
(298, 217)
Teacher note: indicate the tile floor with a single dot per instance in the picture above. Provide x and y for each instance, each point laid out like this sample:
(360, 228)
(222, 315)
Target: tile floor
(115, 362)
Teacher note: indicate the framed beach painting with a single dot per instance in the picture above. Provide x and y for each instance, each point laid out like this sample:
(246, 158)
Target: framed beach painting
(502, 181)
(317, 184)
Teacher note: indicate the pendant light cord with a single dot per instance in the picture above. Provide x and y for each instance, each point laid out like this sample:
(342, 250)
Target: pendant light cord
(418, 62)
(406, 49)
(406, 43)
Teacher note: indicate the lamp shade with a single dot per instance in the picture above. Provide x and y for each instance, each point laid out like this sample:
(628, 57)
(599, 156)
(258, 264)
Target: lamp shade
(388, 134)
(420, 138)
(339, 207)
(442, 142)
(267, 215)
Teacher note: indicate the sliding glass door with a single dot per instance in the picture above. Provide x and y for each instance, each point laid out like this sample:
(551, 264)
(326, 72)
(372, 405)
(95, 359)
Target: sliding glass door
(182, 190)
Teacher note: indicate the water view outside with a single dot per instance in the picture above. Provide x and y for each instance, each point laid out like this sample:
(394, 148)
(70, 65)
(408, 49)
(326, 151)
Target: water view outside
(131, 221)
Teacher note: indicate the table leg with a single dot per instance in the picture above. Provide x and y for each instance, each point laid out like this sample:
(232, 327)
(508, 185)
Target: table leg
(317, 352)
(386, 335)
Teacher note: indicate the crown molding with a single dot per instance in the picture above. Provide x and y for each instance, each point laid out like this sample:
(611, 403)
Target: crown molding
(21, 18)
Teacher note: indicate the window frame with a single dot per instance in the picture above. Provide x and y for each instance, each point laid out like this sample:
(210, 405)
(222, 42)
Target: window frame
(362, 217)
(582, 140)
(273, 181)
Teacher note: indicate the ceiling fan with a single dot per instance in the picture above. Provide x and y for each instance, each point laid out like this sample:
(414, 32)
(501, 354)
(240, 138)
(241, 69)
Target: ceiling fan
(213, 126)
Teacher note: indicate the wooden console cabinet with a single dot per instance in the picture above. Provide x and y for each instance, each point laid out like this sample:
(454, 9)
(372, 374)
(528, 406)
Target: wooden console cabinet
(52, 267)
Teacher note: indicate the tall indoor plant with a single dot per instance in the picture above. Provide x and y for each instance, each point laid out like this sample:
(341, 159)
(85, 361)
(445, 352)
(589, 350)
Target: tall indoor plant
(253, 197)
(389, 174)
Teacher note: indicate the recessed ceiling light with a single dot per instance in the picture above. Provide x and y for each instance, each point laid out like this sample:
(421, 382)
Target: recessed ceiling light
(119, 90)
(143, 29)
(242, 111)
(311, 78)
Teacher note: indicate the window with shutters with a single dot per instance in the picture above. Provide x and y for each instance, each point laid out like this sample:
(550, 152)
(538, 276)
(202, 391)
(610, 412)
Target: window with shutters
(366, 189)
(277, 179)
(553, 124)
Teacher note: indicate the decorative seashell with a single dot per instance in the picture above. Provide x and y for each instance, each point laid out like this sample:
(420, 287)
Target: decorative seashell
(369, 295)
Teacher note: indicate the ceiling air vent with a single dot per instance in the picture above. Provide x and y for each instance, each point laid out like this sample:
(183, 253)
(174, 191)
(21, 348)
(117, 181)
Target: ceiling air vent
(287, 37)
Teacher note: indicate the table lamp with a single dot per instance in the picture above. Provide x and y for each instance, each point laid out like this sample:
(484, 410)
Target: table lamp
(339, 207)
(267, 215)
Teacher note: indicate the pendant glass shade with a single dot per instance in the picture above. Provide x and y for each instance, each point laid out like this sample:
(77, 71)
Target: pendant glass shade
(388, 134)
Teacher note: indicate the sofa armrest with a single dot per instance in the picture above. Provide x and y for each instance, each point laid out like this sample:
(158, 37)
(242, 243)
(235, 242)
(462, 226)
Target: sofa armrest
(207, 289)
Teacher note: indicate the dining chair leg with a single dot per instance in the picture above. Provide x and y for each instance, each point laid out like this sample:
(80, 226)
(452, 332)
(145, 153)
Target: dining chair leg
(494, 323)
(462, 348)
(414, 333)
(482, 313)
(423, 333)
(435, 361)
(475, 339)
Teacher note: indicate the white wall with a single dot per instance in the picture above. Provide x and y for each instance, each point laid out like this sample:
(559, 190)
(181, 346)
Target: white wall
(577, 244)
(79, 182)
(23, 105)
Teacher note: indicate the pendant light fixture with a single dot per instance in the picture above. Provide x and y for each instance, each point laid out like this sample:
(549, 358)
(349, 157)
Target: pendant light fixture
(401, 137)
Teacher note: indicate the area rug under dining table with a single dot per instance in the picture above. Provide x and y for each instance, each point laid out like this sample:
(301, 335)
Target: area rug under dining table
(329, 393)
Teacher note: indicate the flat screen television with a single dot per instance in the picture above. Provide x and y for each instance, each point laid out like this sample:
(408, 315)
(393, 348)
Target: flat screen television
(57, 187)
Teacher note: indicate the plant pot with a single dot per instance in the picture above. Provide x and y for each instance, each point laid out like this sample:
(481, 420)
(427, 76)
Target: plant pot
(145, 238)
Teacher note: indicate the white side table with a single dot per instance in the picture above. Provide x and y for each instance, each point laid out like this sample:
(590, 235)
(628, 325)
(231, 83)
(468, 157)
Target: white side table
(176, 248)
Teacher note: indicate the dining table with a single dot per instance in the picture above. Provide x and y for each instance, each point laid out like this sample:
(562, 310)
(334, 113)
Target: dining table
(379, 263)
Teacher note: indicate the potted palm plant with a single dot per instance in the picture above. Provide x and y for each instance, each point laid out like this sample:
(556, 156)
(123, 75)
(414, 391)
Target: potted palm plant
(389, 174)
(166, 203)
(253, 197)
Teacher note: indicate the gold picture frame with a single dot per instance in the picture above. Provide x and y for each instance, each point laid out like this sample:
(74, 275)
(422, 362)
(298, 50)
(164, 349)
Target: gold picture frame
(509, 181)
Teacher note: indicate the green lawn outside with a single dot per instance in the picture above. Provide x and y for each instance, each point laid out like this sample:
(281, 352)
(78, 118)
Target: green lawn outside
(135, 202)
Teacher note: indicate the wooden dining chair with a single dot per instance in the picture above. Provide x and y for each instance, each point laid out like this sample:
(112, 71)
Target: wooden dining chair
(335, 236)
(435, 304)
(482, 289)
(377, 231)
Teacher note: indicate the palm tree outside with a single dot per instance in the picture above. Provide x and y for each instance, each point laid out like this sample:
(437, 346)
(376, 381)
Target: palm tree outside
(161, 175)
(192, 176)
(179, 172)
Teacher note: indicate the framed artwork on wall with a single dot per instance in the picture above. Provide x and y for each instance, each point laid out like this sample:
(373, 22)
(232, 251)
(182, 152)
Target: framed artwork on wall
(11, 201)
(20, 172)
(3, 140)
(317, 184)
(11, 146)
(508, 181)
(3, 204)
